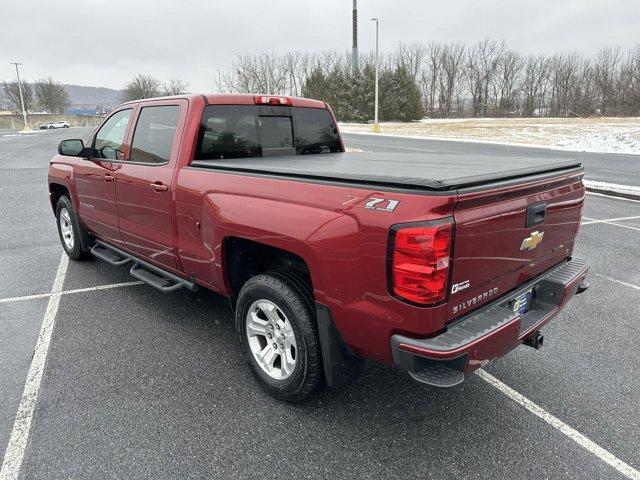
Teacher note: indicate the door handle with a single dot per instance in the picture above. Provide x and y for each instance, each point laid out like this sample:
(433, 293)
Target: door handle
(108, 177)
(159, 187)
(536, 214)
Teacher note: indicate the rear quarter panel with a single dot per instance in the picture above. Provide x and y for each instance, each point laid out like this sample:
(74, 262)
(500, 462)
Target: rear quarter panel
(343, 243)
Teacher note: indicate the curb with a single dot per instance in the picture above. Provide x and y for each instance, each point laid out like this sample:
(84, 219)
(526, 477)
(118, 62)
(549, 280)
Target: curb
(613, 190)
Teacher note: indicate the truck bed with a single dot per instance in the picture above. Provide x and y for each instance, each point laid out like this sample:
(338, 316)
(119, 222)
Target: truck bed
(409, 170)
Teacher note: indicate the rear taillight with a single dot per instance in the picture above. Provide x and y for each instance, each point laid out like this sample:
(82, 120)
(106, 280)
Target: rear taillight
(419, 261)
(271, 100)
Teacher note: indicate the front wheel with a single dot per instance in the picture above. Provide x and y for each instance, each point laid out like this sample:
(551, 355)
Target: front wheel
(279, 337)
(69, 229)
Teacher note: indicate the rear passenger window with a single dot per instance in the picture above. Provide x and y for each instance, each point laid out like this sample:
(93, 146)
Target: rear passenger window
(153, 137)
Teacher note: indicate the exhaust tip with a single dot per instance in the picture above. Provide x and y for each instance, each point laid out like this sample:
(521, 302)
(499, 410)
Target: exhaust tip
(536, 341)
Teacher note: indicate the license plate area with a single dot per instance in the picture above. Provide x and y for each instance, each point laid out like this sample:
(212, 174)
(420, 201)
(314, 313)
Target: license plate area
(521, 303)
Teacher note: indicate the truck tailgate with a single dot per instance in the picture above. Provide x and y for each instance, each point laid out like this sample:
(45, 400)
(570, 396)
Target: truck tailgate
(507, 235)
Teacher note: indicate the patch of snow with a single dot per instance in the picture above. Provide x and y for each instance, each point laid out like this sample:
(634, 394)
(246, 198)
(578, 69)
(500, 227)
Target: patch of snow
(602, 143)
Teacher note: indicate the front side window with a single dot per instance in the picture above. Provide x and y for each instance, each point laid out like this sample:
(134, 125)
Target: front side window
(241, 131)
(153, 137)
(110, 137)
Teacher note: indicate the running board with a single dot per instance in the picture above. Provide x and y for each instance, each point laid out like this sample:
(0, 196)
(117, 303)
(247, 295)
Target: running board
(108, 255)
(150, 274)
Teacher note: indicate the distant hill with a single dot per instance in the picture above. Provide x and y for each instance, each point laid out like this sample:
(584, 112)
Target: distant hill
(83, 98)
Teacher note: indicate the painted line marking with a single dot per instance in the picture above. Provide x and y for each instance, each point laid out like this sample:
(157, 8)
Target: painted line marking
(623, 226)
(604, 455)
(626, 284)
(611, 197)
(19, 435)
(606, 220)
(68, 292)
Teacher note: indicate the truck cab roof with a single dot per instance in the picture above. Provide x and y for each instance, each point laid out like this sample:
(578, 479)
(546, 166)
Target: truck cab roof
(238, 99)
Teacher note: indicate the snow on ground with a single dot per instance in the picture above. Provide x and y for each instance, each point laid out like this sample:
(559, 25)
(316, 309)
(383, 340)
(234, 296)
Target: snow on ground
(602, 142)
(605, 135)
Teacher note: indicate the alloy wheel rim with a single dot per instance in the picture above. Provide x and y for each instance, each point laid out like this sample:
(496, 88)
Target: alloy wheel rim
(271, 339)
(66, 228)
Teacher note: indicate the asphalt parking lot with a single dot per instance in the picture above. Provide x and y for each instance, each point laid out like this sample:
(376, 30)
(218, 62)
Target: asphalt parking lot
(141, 384)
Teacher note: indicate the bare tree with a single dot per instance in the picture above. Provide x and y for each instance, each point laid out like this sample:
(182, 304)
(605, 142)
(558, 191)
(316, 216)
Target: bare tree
(175, 87)
(410, 57)
(505, 83)
(534, 84)
(12, 94)
(628, 84)
(142, 86)
(51, 95)
(450, 77)
(605, 72)
(430, 75)
(481, 64)
(455, 80)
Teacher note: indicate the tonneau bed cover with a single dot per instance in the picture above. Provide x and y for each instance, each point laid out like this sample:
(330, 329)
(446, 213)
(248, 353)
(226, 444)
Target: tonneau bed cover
(409, 170)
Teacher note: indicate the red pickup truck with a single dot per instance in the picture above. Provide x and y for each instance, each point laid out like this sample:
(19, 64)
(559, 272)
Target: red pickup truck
(434, 263)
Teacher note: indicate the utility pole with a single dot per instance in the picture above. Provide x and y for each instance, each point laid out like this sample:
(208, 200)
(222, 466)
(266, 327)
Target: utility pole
(354, 39)
(24, 112)
(376, 127)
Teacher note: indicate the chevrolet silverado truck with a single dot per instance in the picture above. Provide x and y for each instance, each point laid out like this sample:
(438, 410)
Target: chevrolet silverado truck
(434, 263)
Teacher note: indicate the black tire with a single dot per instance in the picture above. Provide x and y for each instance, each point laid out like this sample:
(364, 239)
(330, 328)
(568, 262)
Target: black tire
(65, 126)
(74, 251)
(307, 377)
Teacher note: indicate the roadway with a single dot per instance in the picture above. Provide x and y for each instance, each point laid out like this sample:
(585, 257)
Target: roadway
(603, 167)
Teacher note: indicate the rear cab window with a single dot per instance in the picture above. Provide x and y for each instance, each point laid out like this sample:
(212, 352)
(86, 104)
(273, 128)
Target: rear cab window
(245, 131)
(154, 134)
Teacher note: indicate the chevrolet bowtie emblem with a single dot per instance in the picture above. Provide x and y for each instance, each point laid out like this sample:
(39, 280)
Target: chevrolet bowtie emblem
(532, 241)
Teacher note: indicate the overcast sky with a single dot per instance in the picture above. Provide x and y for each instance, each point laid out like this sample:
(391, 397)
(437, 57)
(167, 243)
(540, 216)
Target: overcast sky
(106, 42)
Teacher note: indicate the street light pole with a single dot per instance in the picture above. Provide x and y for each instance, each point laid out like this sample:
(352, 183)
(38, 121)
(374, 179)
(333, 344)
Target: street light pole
(24, 112)
(376, 127)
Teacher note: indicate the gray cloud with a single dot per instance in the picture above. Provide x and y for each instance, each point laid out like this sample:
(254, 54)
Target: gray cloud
(105, 42)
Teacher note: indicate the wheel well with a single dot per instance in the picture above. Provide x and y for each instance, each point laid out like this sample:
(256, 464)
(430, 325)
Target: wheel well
(55, 192)
(247, 258)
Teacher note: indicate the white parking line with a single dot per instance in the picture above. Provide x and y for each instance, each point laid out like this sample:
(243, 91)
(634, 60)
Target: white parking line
(18, 441)
(604, 455)
(622, 199)
(67, 292)
(623, 226)
(606, 220)
(630, 285)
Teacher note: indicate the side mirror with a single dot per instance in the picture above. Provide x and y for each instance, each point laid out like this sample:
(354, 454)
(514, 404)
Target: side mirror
(71, 148)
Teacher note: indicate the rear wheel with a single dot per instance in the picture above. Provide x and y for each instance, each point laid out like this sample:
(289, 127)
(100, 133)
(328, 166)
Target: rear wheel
(69, 229)
(279, 337)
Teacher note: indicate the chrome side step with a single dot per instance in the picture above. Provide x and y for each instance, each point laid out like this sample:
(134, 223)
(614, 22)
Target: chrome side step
(150, 274)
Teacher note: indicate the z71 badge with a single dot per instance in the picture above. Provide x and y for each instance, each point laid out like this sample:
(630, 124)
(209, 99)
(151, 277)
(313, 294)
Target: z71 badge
(372, 203)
